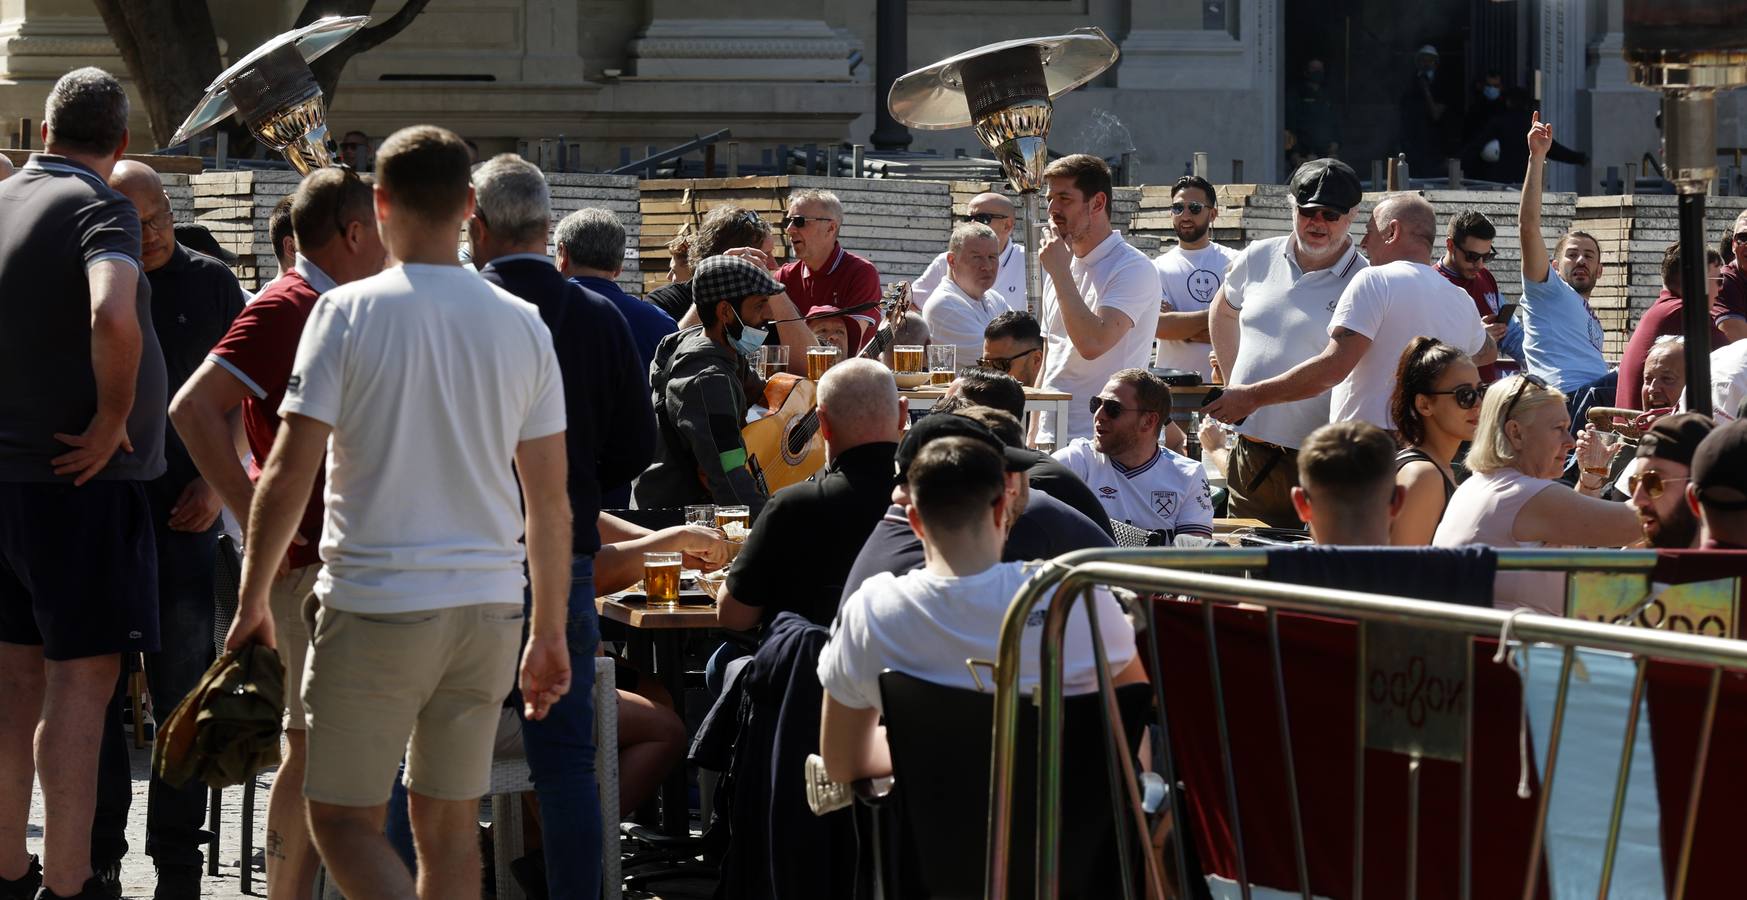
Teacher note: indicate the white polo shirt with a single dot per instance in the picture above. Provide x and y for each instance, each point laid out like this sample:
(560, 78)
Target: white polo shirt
(1113, 276)
(1167, 493)
(1009, 282)
(1283, 316)
(1188, 279)
(1392, 304)
(956, 318)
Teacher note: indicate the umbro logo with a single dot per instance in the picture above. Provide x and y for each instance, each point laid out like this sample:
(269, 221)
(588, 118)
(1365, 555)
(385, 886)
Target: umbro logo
(1107, 491)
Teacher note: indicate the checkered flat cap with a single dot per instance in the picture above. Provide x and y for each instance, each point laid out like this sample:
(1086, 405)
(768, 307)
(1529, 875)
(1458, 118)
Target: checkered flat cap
(730, 278)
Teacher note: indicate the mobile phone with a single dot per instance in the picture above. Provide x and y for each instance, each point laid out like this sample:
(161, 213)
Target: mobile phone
(1504, 313)
(1212, 395)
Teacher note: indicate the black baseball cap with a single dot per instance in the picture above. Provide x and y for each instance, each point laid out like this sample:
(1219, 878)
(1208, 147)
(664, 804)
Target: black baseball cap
(1675, 437)
(942, 425)
(1326, 182)
(1719, 467)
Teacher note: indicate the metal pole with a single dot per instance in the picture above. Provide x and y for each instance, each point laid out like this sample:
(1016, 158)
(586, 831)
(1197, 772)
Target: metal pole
(1201, 165)
(733, 159)
(222, 153)
(1453, 173)
(1237, 171)
(1033, 276)
(1695, 310)
(856, 155)
(891, 60)
(25, 134)
(1622, 780)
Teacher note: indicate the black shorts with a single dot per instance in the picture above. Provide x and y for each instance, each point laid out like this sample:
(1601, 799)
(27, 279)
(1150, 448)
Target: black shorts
(78, 568)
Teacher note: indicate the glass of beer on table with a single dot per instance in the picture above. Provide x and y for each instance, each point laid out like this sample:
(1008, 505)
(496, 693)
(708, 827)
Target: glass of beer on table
(702, 514)
(819, 359)
(661, 578)
(771, 360)
(909, 359)
(942, 364)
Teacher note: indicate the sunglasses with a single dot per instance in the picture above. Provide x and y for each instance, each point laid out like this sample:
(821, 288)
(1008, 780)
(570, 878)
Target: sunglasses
(801, 221)
(1195, 208)
(1522, 385)
(1320, 212)
(1004, 363)
(1741, 237)
(1652, 482)
(1113, 408)
(1466, 395)
(1473, 257)
(982, 218)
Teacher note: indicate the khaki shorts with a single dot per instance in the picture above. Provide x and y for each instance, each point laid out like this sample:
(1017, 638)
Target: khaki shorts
(438, 677)
(285, 600)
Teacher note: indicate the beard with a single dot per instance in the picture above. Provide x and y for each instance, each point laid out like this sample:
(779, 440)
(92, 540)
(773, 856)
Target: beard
(1189, 234)
(1672, 532)
(1336, 246)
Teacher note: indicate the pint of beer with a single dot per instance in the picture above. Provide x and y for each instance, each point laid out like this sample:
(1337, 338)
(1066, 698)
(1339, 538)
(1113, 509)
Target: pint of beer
(908, 358)
(661, 578)
(771, 360)
(737, 515)
(942, 364)
(819, 359)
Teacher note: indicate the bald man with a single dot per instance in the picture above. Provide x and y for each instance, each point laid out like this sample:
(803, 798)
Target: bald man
(1384, 307)
(805, 541)
(193, 300)
(997, 212)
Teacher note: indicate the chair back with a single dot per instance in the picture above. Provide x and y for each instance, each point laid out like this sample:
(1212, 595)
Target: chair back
(227, 580)
(939, 737)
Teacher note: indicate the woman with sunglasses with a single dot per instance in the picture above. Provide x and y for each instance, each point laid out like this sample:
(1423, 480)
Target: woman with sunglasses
(1436, 407)
(1514, 500)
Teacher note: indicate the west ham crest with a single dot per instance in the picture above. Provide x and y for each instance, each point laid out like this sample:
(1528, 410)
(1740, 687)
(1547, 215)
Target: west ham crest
(1165, 503)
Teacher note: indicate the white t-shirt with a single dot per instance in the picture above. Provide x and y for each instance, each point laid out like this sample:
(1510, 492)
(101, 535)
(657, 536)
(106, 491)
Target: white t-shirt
(1009, 282)
(1188, 279)
(1728, 381)
(1113, 276)
(430, 376)
(1283, 316)
(1166, 493)
(1392, 304)
(927, 625)
(955, 318)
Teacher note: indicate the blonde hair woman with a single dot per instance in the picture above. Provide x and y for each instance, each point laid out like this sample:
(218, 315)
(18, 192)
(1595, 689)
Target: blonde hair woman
(1513, 499)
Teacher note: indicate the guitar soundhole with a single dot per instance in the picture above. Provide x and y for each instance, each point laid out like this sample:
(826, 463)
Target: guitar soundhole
(800, 434)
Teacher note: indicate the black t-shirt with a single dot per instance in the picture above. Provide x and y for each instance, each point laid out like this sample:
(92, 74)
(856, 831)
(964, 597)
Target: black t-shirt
(59, 219)
(806, 540)
(1051, 477)
(1047, 529)
(674, 299)
(194, 299)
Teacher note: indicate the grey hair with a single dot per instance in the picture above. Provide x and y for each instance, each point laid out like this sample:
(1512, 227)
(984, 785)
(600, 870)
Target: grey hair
(592, 238)
(824, 198)
(513, 198)
(1669, 340)
(86, 112)
(966, 232)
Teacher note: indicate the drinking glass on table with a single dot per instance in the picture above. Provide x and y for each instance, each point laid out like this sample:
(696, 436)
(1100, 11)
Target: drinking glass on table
(661, 578)
(820, 359)
(702, 514)
(771, 360)
(909, 359)
(942, 364)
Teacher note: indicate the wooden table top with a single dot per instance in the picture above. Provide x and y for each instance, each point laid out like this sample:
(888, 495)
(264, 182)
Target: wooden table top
(638, 615)
(935, 393)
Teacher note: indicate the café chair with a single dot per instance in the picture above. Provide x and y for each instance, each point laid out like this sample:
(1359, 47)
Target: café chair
(939, 800)
(226, 584)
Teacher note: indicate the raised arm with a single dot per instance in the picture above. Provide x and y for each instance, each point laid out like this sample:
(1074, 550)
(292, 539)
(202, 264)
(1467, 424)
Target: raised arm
(1093, 332)
(1529, 210)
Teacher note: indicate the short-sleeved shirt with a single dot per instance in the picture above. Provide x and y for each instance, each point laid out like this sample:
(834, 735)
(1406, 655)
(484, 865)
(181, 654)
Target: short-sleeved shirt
(194, 300)
(845, 281)
(955, 317)
(430, 377)
(1168, 493)
(57, 220)
(1009, 282)
(1188, 279)
(1562, 338)
(674, 299)
(1392, 304)
(927, 625)
(1662, 318)
(1051, 477)
(258, 350)
(1731, 302)
(649, 324)
(804, 543)
(1113, 276)
(1728, 381)
(1483, 290)
(1283, 316)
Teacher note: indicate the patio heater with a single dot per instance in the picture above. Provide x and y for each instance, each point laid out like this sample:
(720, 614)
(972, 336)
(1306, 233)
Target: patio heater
(1689, 50)
(276, 94)
(1004, 91)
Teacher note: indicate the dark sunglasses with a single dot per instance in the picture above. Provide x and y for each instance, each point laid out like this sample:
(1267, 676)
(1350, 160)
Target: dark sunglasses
(1466, 394)
(1652, 481)
(1113, 407)
(1522, 385)
(1741, 237)
(1320, 212)
(1003, 363)
(1473, 257)
(801, 221)
(1195, 208)
(982, 218)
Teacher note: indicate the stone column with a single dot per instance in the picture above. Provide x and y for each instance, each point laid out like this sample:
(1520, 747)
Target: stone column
(1563, 44)
(1169, 46)
(41, 40)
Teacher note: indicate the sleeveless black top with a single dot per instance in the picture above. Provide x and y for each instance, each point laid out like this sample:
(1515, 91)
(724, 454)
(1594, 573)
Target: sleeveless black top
(1414, 454)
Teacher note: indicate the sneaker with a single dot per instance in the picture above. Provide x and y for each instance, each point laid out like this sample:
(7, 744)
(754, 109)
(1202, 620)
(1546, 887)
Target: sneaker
(24, 887)
(178, 883)
(94, 889)
(108, 878)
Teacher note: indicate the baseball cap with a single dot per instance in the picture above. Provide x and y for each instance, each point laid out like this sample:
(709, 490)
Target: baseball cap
(941, 425)
(1426, 50)
(1326, 182)
(1719, 467)
(730, 278)
(1675, 437)
(852, 326)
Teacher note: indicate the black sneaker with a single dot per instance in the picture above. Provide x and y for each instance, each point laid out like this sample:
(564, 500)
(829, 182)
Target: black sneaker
(24, 887)
(177, 883)
(108, 878)
(94, 889)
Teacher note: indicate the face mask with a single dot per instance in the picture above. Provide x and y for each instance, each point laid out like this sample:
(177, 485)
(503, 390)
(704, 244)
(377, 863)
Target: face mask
(1490, 92)
(749, 339)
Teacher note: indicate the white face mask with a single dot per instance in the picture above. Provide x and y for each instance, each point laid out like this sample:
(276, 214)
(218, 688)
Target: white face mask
(749, 339)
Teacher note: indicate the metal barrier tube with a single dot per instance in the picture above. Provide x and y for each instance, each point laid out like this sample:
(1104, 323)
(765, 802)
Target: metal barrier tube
(1538, 840)
(1167, 759)
(1412, 827)
(1690, 828)
(1299, 854)
(1359, 773)
(1622, 780)
(1465, 880)
(1237, 819)
(1121, 765)
(1049, 738)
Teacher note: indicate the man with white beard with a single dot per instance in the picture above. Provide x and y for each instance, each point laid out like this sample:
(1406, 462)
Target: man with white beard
(1273, 313)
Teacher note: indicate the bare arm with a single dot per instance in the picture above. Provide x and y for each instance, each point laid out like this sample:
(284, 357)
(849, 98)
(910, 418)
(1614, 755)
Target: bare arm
(852, 743)
(1222, 327)
(1182, 326)
(795, 335)
(204, 413)
(1558, 515)
(1314, 376)
(1422, 507)
(619, 563)
(1529, 211)
(277, 506)
(115, 361)
(543, 467)
(1488, 353)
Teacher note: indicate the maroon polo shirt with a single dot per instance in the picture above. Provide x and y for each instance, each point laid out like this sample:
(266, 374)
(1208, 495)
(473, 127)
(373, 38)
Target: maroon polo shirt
(844, 281)
(1731, 302)
(1663, 317)
(1483, 290)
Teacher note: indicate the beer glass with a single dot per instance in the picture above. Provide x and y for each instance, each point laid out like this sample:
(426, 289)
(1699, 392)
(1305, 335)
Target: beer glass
(908, 358)
(661, 578)
(819, 359)
(942, 364)
(739, 516)
(771, 360)
(703, 514)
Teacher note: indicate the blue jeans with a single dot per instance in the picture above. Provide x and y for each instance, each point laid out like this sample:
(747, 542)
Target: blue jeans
(561, 750)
